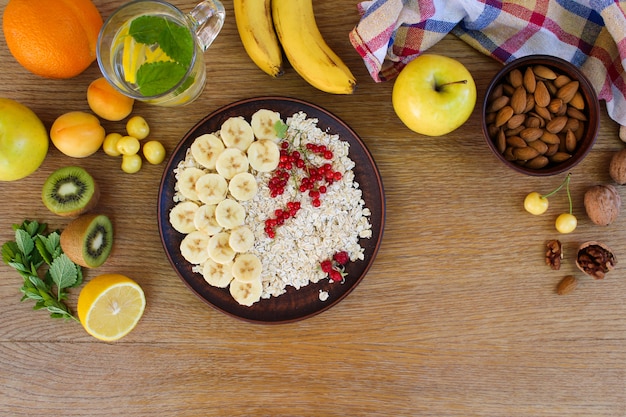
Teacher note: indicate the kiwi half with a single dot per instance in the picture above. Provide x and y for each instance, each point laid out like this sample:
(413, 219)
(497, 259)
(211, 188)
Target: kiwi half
(88, 239)
(70, 192)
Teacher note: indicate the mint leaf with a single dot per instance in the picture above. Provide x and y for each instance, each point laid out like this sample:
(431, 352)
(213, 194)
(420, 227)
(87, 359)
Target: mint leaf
(63, 273)
(24, 241)
(146, 29)
(280, 128)
(158, 77)
(177, 43)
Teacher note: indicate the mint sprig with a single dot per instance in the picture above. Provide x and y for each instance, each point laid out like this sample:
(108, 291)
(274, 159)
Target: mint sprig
(33, 250)
(154, 78)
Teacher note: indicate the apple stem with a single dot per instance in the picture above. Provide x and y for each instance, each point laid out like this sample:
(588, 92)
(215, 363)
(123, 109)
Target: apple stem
(439, 87)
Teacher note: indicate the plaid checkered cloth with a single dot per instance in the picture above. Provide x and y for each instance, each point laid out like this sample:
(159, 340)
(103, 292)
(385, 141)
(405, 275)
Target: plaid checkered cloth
(589, 33)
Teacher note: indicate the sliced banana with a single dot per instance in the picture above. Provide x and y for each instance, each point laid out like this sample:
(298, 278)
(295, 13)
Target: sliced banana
(217, 275)
(241, 239)
(194, 247)
(187, 182)
(211, 188)
(204, 219)
(206, 148)
(236, 132)
(247, 267)
(264, 155)
(230, 214)
(231, 162)
(246, 293)
(263, 124)
(218, 248)
(243, 186)
(182, 216)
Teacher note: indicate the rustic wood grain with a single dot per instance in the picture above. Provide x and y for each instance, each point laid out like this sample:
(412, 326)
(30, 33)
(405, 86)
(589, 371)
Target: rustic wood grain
(457, 317)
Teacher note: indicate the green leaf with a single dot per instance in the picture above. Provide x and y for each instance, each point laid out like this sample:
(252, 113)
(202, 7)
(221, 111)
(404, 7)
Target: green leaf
(177, 43)
(158, 77)
(146, 29)
(24, 241)
(280, 128)
(41, 248)
(9, 249)
(63, 272)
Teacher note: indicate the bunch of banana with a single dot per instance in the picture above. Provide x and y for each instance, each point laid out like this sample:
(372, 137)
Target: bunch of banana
(291, 24)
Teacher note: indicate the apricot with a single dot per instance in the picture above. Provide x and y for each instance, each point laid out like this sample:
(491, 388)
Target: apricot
(108, 103)
(77, 134)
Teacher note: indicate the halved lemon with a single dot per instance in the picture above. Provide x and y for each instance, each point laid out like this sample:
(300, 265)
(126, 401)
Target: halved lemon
(110, 306)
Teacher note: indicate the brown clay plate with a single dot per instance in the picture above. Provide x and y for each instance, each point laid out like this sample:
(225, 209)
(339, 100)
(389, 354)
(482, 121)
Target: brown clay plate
(294, 304)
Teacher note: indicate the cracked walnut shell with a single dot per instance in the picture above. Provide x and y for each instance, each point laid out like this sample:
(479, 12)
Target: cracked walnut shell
(595, 259)
(602, 204)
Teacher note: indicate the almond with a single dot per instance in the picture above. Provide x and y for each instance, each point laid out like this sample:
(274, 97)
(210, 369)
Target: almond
(573, 112)
(567, 285)
(561, 80)
(542, 95)
(555, 105)
(540, 145)
(557, 124)
(518, 100)
(501, 141)
(578, 101)
(516, 78)
(543, 112)
(498, 103)
(550, 138)
(566, 93)
(503, 115)
(526, 153)
(542, 71)
(530, 82)
(531, 134)
(570, 141)
(516, 142)
(560, 157)
(537, 162)
(515, 121)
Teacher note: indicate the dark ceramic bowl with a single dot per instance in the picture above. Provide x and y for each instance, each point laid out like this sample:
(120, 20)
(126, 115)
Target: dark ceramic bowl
(504, 134)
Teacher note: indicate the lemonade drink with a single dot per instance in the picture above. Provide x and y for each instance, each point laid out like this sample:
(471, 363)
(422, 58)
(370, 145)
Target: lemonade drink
(153, 52)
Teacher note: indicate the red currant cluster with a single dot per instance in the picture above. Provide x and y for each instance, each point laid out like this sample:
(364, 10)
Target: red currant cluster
(335, 267)
(313, 180)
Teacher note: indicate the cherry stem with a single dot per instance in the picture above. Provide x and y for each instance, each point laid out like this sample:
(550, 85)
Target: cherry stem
(564, 183)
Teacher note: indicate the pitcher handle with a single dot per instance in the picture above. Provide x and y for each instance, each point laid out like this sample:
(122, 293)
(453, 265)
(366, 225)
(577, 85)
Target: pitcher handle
(207, 19)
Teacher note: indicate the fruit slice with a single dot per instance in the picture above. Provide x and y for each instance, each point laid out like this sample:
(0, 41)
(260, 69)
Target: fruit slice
(194, 247)
(236, 133)
(70, 192)
(243, 186)
(182, 216)
(217, 275)
(263, 123)
(231, 162)
(88, 240)
(204, 220)
(263, 155)
(247, 268)
(110, 306)
(219, 249)
(211, 188)
(206, 148)
(230, 214)
(187, 182)
(241, 239)
(246, 293)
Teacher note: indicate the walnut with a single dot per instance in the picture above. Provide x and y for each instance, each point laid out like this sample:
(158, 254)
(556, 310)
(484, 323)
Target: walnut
(595, 259)
(554, 254)
(602, 204)
(617, 167)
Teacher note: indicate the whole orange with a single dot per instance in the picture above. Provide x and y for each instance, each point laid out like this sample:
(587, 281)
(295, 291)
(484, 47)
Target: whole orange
(52, 38)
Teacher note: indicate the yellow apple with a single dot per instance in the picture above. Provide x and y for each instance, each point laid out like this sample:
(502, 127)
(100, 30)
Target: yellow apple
(23, 140)
(434, 95)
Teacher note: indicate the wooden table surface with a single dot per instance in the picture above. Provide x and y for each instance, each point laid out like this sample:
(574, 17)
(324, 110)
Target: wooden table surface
(458, 316)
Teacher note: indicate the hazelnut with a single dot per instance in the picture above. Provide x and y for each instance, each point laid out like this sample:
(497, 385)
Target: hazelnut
(617, 167)
(595, 259)
(602, 204)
